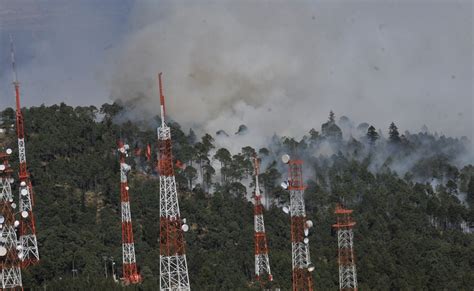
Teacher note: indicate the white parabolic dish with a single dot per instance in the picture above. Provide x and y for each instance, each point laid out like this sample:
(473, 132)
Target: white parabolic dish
(285, 158)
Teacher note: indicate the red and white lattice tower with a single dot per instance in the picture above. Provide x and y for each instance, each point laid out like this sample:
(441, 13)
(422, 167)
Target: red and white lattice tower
(29, 253)
(173, 264)
(301, 262)
(129, 264)
(262, 263)
(10, 272)
(345, 242)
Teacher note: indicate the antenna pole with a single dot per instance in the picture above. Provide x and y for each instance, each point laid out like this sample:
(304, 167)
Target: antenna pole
(15, 75)
(173, 265)
(162, 100)
(29, 253)
(129, 264)
(263, 273)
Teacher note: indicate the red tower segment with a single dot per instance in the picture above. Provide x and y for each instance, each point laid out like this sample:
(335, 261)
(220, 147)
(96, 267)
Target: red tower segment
(129, 264)
(173, 264)
(29, 253)
(345, 239)
(301, 261)
(263, 273)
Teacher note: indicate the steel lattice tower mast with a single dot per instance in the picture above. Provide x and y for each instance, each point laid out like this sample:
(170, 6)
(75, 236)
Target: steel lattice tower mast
(173, 264)
(10, 272)
(262, 263)
(129, 264)
(301, 261)
(29, 253)
(345, 242)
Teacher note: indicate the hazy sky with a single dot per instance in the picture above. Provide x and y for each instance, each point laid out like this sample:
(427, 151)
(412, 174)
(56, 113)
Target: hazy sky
(277, 66)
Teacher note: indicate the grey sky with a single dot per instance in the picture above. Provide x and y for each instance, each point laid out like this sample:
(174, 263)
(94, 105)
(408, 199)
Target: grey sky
(276, 66)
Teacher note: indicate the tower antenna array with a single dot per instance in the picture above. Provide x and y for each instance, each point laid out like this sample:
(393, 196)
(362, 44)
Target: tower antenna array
(263, 273)
(29, 253)
(173, 264)
(10, 271)
(129, 264)
(301, 261)
(345, 242)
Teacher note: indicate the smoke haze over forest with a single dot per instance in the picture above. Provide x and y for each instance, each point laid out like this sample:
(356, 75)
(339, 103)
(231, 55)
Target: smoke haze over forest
(278, 67)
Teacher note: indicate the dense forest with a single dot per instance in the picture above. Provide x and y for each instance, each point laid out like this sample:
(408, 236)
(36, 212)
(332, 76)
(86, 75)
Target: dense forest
(412, 194)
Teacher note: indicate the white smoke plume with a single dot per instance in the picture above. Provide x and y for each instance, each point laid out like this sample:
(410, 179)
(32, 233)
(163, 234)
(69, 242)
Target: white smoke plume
(275, 66)
(279, 67)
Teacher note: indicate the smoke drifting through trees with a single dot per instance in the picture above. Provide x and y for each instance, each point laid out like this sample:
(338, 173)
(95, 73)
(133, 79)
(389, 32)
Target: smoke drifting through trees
(282, 67)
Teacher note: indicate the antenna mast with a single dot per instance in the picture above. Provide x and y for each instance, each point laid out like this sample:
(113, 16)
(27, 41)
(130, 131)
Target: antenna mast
(173, 264)
(301, 261)
(129, 264)
(29, 253)
(345, 242)
(10, 272)
(262, 263)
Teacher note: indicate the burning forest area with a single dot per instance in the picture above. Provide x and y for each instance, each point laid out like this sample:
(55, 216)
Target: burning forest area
(236, 145)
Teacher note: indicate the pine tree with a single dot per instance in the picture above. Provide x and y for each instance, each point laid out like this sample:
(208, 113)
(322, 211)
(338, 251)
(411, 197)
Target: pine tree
(470, 193)
(394, 135)
(332, 117)
(372, 135)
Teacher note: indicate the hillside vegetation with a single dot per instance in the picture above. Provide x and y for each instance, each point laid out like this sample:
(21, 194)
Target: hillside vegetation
(412, 195)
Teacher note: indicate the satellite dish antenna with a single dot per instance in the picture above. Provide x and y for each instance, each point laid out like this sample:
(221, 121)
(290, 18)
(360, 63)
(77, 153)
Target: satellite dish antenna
(3, 251)
(185, 227)
(2, 167)
(13, 205)
(306, 240)
(127, 188)
(285, 158)
(311, 268)
(20, 256)
(19, 247)
(284, 185)
(23, 184)
(184, 220)
(11, 199)
(24, 214)
(9, 151)
(24, 191)
(306, 232)
(309, 223)
(286, 209)
(12, 180)
(126, 147)
(122, 150)
(2, 218)
(16, 223)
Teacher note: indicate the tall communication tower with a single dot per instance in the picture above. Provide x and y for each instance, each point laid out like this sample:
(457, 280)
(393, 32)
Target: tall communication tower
(345, 242)
(173, 264)
(301, 261)
(262, 263)
(10, 272)
(29, 253)
(129, 264)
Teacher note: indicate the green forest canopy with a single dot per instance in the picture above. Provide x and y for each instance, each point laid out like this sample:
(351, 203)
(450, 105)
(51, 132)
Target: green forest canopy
(406, 192)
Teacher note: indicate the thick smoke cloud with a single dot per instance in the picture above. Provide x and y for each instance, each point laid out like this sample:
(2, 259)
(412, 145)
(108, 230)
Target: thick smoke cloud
(275, 66)
(279, 67)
